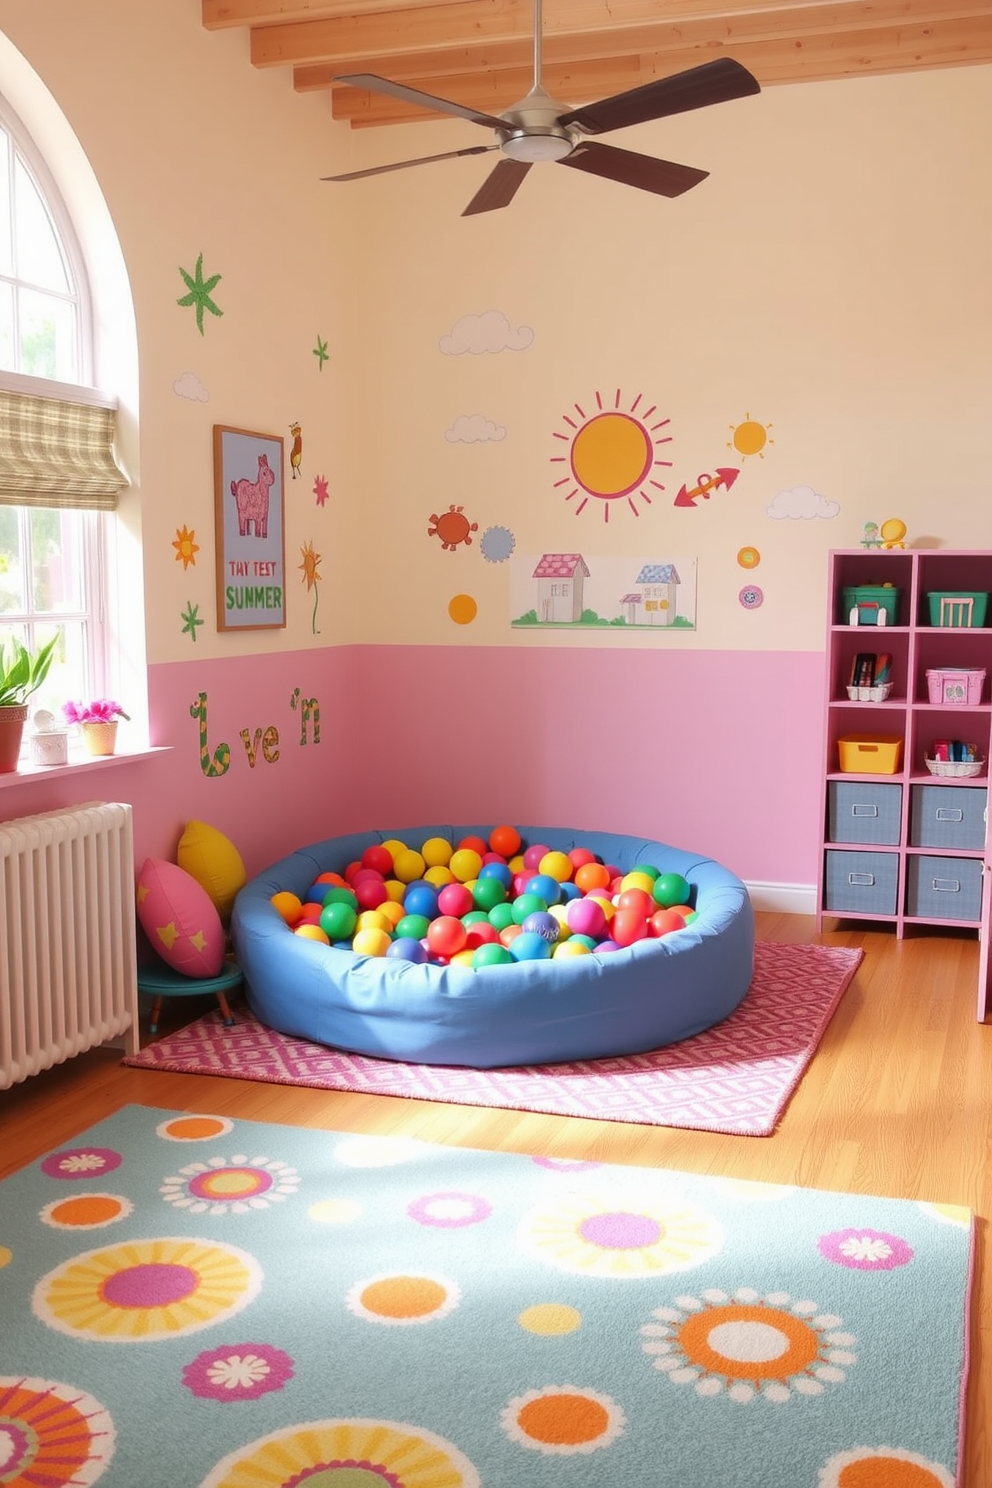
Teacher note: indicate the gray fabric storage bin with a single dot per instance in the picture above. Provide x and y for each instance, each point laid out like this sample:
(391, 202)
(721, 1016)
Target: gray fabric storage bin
(948, 816)
(863, 811)
(944, 888)
(861, 882)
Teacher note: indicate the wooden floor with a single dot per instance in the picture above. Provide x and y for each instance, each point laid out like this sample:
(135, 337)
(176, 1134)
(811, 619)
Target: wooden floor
(897, 1101)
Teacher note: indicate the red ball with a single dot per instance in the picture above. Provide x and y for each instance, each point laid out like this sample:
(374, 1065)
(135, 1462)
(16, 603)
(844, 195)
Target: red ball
(352, 869)
(481, 932)
(446, 936)
(664, 921)
(370, 892)
(505, 841)
(379, 858)
(473, 844)
(627, 926)
(455, 899)
(637, 899)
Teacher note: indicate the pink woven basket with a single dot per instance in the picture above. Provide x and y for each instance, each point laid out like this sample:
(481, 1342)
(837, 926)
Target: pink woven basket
(956, 686)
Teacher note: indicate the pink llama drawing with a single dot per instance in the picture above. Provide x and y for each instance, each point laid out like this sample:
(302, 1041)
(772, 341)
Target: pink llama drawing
(252, 499)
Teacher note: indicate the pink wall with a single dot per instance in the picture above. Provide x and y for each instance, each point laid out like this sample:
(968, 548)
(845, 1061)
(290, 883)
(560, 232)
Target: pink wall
(713, 751)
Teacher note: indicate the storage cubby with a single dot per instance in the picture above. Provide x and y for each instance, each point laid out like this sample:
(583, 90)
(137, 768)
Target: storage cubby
(901, 843)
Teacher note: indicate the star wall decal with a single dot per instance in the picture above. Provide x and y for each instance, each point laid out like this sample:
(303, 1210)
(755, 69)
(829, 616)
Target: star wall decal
(320, 489)
(191, 617)
(320, 352)
(200, 290)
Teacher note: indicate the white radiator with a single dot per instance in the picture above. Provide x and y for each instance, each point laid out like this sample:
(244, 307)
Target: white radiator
(68, 969)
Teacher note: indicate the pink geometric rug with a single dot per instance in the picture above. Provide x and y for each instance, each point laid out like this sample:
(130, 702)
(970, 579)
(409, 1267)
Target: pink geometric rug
(734, 1078)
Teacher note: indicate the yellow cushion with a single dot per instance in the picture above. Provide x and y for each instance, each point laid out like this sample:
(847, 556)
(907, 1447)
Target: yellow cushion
(214, 861)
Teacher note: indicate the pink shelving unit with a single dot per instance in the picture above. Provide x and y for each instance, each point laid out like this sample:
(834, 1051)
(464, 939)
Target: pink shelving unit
(901, 844)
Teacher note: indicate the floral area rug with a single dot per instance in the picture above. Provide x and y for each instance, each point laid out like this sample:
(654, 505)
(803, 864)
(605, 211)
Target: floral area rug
(735, 1078)
(194, 1301)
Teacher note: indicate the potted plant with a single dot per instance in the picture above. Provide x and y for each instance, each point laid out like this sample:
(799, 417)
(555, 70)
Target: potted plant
(21, 674)
(98, 722)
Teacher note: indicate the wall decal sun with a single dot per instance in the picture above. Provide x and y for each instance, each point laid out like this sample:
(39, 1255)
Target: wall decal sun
(611, 455)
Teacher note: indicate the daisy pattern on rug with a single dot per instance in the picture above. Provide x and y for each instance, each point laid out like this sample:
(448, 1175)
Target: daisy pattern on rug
(401, 1298)
(356, 1450)
(194, 1128)
(865, 1250)
(888, 1466)
(449, 1211)
(238, 1371)
(748, 1346)
(52, 1433)
(563, 1420)
(81, 1162)
(86, 1211)
(618, 1234)
(234, 1185)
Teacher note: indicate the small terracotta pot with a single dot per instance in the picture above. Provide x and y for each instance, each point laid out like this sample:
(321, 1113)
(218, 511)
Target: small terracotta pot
(12, 721)
(100, 738)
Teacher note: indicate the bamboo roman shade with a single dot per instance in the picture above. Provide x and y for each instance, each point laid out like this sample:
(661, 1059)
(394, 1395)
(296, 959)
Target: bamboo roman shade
(57, 452)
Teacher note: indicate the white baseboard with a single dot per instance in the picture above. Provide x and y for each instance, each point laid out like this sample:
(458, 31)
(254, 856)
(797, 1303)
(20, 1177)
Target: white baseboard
(783, 898)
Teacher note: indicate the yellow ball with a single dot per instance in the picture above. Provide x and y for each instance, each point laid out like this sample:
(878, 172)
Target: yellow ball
(556, 865)
(566, 948)
(436, 852)
(516, 865)
(371, 943)
(371, 919)
(312, 932)
(559, 912)
(408, 865)
(439, 876)
(637, 881)
(462, 958)
(394, 846)
(392, 911)
(395, 890)
(465, 864)
(609, 908)
(288, 905)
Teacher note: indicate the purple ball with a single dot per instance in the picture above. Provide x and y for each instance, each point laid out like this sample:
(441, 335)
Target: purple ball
(543, 924)
(407, 949)
(607, 945)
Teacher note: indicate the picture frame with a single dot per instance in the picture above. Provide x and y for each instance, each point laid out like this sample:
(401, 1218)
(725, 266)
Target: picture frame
(250, 529)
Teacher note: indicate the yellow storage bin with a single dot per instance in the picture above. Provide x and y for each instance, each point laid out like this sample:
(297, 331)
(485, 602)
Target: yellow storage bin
(870, 754)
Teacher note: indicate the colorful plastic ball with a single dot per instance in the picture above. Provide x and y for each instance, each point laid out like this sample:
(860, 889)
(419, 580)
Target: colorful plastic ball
(315, 894)
(412, 927)
(455, 899)
(600, 897)
(480, 932)
(363, 874)
(436, 852)
(529, 946)
(338, 919)
(589, 941)
(465, 864)
(475, 917)
(371, 942)
(569, 948)
(509, 934)
(559, 912)
(526, 904)
(439, 875)
(589, 876)
(499, 871)
(501, 915)
(330, 877)
(373, 919)
(370, 892)
(491, 955)
(664, 922)
(408, 865)
(648, 869)
(352, 869)
(488, 892)
(288, 905)
(533, 856)
(671, 888)
(407, 948)
(307, 931)
(638, 900)
(446, 936)
(421, 899)
(464, 957)
(378, 857)
(694, 915)
(310, 913)
(586, 917)
(473, 843)
(342, 895)
(557, 865)
(548, 888)
(606, 947)
(570, 890)
(628, 926)
(395, 890)
(541, 923)
(516, 863)
(579, 856)
(505, 840)
(391, 912)
(635, 880)
(394, 846)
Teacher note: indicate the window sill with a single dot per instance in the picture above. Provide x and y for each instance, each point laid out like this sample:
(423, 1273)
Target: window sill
(29, 774)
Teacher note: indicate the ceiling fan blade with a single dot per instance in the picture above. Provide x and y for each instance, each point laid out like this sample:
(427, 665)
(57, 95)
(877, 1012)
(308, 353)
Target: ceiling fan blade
(714, 82)
(499, 187)
(663, 177)
(375, 84)
(380, 170)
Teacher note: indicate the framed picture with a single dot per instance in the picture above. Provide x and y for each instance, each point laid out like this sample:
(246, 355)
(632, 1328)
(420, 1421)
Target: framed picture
(249, 515)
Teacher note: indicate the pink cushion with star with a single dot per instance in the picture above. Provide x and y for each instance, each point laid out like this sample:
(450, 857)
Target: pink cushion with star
(180, 919)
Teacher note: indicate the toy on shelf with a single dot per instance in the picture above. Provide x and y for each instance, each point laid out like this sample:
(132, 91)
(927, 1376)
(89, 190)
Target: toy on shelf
(891, 534)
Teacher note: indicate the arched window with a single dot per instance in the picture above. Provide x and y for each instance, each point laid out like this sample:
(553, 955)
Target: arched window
(58, 476)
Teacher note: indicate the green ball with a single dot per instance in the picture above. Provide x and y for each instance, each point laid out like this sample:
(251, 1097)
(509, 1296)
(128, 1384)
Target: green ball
(488, 892)
(584, 940)
(526, 904)
(501, 915)
(491, 954)
(473, 916)
(338, 920)
(647, 868)
(411, 927)
(671, 888)
(338, 895)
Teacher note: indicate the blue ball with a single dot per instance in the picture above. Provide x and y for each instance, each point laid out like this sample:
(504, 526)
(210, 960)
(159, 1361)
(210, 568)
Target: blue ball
(543, 924)
(545, 887)
(421, 899)
(497, 870)
(407, 949)
(529, 946)
(569, 891)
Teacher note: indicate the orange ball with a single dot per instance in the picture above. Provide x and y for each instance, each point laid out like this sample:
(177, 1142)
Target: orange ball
(332, 878)
(505, 841)
(589, 876)
(446, 936)
(288, 905)
(664, 921)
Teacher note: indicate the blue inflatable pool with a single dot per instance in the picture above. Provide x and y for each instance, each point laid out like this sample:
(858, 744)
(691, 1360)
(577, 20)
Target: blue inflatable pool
(652, 993)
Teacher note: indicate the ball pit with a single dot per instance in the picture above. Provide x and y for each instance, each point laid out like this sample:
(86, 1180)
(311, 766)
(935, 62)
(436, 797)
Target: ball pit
(519, 998)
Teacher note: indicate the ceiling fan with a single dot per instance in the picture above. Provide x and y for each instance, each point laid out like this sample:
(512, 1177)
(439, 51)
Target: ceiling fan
(538, 129)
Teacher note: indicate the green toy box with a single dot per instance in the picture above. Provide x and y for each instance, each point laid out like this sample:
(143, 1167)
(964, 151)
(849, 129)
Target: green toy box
(957, 608)
(874, 604)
